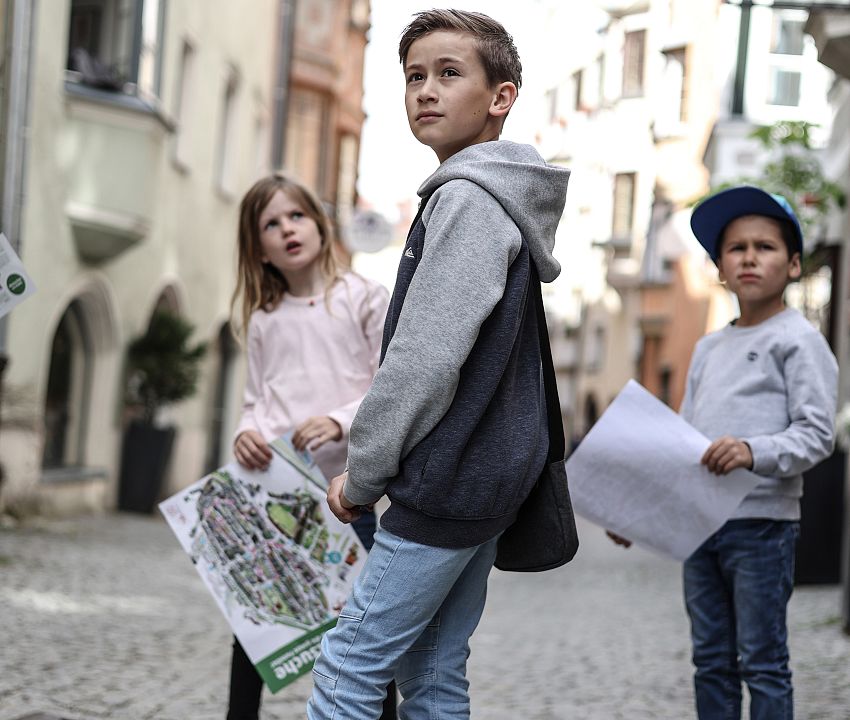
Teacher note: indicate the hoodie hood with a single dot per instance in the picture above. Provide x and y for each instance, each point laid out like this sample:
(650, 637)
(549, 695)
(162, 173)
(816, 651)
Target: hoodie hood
(532, 192)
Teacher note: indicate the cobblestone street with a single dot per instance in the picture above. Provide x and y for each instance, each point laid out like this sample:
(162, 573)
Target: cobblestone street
(106, 618)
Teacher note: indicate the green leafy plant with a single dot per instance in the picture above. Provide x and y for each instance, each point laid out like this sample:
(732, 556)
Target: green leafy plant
(794, 172)
(162, 367)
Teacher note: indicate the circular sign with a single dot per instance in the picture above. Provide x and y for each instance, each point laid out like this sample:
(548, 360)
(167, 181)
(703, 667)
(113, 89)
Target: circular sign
(368, 231)
(16, 284)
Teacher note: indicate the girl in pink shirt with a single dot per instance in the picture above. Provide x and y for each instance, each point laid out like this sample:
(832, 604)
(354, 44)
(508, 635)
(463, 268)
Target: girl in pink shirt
(313, 341)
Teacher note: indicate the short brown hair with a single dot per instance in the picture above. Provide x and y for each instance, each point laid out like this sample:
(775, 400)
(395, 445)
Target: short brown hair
(495, 45)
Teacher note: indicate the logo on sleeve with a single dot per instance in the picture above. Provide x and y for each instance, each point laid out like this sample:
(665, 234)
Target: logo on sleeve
(409, 253)
(752, 356)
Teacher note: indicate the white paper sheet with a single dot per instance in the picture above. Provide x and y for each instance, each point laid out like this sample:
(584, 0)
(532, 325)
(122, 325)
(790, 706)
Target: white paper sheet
(638, 473)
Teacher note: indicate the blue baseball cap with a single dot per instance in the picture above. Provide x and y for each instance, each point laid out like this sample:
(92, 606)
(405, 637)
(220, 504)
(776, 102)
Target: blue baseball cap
(713, 214)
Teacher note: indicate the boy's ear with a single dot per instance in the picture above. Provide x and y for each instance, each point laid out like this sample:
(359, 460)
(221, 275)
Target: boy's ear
(503, 99)
(795, 267)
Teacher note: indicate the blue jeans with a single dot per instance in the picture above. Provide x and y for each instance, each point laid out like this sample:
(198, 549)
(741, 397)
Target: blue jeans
(737, 587)
(410, 616)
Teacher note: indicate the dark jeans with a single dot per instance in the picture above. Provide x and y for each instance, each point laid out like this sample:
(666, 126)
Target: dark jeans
(246, 685)
(737, 587)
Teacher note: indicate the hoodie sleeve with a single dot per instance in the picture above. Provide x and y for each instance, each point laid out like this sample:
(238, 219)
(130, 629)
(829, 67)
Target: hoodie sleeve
(372, 312)
(811, 379)
(470, 242)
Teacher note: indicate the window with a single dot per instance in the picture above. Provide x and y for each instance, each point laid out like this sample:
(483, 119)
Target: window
(183, 104)
(633, 61)
(577, 90)
(591, 412)
(624, 202)
(68, 382)
(594, 349)
(219, 446)
(306, 130)
(784, 87)
(786, 61)
(676, 85)
(551, 97)
(116, 45)
(787, 36)
(600, 79)
(226, 137)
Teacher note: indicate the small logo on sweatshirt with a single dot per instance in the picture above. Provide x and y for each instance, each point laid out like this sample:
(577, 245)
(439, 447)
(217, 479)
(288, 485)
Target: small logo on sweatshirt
(752, 356)
(409, 253)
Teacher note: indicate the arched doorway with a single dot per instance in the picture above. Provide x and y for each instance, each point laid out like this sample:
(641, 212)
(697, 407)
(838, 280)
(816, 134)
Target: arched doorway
(68, 391)
(591, 412)
(226, 353)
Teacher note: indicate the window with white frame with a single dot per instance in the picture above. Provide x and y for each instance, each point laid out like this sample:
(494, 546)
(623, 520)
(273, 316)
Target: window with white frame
(183, 104)
(784, 87)
(600, 78)
(624, 205)
(787, 35)
(551, 100)
(116, 45)
(227, 136)
(578, 100)
(785, 71)
(673, 109)
(634, 53)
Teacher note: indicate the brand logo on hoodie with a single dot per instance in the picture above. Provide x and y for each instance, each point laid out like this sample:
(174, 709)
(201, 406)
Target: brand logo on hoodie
(752, 356)
(409, 253)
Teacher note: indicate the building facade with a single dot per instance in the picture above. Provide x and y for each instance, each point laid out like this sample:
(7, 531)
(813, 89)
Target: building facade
(651, 109)
(147, 121)
(629, 116)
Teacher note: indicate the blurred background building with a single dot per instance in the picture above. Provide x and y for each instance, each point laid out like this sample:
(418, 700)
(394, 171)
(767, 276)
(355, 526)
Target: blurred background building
(131, 128)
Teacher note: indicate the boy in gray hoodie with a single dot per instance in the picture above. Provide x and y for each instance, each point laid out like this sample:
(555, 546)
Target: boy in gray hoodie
(453, 429)
(764, 388)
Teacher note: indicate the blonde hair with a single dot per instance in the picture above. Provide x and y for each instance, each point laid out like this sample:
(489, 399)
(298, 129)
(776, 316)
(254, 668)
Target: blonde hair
(259, 284)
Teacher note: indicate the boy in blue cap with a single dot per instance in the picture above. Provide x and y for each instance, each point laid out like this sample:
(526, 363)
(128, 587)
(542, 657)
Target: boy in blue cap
(764, 389)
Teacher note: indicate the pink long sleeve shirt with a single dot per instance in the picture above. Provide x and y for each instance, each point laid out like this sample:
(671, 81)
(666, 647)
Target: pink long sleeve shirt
(306, 360)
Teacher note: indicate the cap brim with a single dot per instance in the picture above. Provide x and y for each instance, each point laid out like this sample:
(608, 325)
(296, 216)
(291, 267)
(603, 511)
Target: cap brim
(711, 216)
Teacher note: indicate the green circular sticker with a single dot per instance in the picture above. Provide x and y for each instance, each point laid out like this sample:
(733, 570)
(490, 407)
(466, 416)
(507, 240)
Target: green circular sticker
(16, 284)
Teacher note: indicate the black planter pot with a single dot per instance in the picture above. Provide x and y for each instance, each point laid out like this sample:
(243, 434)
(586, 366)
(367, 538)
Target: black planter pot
(144, 459)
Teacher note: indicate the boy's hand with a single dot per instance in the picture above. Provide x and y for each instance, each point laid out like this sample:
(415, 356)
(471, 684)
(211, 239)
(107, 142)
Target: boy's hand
(619, 539)
(340, 506)
(315, 432)
(727, 454)
(252, 451)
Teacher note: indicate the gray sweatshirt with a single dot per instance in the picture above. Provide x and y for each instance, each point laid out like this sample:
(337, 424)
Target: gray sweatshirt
(775, 386)
(484, 201)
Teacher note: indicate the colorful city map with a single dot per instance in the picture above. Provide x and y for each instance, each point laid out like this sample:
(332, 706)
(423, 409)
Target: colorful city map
(278, 563)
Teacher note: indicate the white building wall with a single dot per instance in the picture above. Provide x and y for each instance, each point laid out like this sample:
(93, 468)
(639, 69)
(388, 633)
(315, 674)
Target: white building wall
(85, 155)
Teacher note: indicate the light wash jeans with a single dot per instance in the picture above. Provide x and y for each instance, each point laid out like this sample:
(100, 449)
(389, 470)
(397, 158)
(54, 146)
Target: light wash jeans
(737, 587)
(410, 616)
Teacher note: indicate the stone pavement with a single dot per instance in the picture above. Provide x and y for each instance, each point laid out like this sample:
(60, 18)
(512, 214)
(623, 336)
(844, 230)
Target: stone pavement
(106, 618)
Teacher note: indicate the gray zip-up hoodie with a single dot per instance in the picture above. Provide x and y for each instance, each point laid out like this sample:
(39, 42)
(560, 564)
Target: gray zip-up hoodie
(486, 204)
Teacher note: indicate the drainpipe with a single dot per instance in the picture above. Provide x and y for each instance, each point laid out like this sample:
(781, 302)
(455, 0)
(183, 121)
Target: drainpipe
(286, 40)
(741, 63)
(19, 36)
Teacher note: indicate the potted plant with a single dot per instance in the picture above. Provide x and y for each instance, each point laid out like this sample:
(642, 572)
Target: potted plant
(162, 368)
